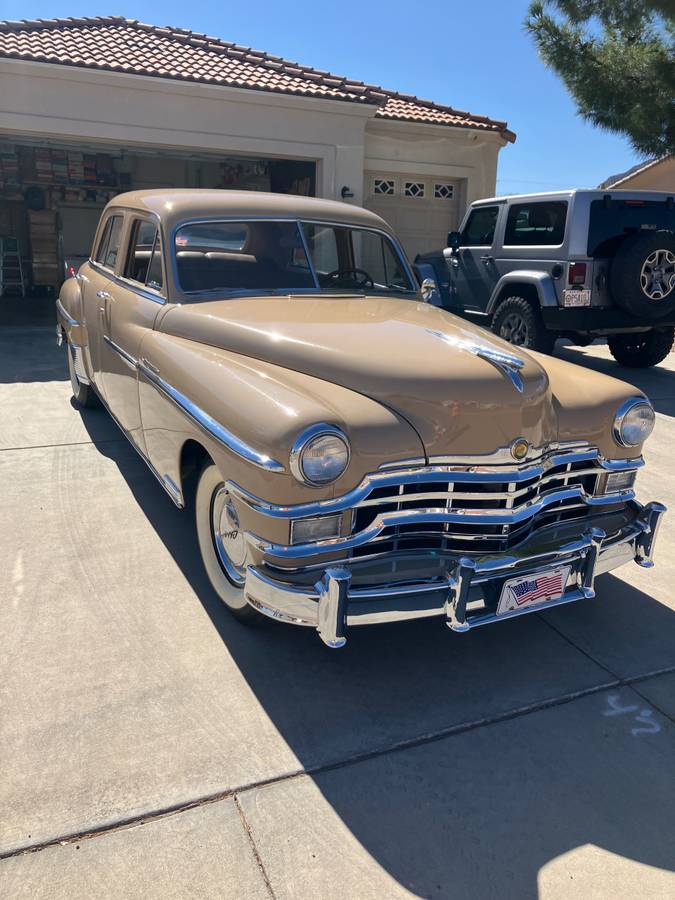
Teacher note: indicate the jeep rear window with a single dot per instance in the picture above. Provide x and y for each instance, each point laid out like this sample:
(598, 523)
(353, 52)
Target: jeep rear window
(612, 220)
(536, 224)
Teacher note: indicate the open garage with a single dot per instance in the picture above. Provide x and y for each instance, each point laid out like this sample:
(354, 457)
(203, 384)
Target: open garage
(94, 107)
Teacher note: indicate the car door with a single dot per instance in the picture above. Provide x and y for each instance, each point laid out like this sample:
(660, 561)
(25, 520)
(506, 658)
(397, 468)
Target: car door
(96, 280)
(472, 267)
(133, 303)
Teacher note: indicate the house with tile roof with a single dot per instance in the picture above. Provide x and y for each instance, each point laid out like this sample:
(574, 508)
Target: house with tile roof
(93, 106)
(649, 175)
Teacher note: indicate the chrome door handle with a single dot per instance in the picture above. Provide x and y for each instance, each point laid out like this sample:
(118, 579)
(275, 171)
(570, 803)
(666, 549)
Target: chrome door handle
(103, 295)
(485, 259)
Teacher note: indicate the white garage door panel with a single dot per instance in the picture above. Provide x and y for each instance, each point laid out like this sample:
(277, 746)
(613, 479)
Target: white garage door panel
(420, 209)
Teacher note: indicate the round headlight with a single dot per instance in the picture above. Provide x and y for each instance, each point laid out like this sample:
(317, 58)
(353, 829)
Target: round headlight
(320, 455)
(634, 422)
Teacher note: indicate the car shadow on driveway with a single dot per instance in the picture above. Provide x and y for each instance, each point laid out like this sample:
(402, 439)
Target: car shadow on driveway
(482, 813)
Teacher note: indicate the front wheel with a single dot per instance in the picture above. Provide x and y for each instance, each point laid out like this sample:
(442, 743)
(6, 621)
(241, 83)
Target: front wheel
(222, 544)
(642, 349)
(518, 322)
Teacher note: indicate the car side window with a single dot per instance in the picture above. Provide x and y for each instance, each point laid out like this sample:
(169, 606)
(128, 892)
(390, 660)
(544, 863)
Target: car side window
(536, 224)
(109, 245)
(144, 259)
(479, 230)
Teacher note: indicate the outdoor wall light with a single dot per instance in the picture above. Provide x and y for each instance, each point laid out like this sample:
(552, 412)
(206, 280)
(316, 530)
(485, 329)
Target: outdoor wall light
(346, 193)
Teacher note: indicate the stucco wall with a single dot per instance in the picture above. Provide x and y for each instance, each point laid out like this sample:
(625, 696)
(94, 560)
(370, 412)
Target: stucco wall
(68, 103)
(660, 177)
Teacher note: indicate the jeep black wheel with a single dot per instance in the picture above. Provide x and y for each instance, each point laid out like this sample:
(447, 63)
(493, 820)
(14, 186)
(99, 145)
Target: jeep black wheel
(518, 322)
(641, 349)
(642, 277)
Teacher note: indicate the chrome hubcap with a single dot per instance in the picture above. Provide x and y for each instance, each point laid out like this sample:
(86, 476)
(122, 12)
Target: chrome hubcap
(657, 276)
(227, 537)
(514, 330)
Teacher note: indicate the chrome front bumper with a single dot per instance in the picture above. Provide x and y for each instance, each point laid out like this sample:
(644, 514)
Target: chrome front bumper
(465, 596)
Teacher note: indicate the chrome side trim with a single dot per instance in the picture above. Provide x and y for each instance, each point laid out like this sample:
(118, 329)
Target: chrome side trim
(469, 473)
(208, 423)
(437, 516)
(67, 319)
(127, 357)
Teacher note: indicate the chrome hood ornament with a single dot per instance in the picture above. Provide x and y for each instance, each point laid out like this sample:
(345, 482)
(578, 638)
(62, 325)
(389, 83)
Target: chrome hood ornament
(508, 363)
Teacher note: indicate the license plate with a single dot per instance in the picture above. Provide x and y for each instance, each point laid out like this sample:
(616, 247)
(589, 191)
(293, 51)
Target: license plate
(531, 590)
(577, 298)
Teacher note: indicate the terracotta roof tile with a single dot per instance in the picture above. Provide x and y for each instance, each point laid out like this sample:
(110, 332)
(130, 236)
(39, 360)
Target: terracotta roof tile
(117, 44)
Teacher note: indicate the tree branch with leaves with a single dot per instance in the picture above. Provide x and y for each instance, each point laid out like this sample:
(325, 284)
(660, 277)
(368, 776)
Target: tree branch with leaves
(617, 60)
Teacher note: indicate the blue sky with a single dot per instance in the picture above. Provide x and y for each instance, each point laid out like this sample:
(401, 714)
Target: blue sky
(474, 56)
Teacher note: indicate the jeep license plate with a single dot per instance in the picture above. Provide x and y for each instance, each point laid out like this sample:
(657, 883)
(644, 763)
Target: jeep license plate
(530, 590)
(577, 298)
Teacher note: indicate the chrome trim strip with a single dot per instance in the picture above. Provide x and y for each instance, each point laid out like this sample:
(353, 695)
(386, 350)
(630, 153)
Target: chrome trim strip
(209, 424)
(441, 515)
(621, 414)
(503, 455)
(127, 357)
(68, 320)
(483, 474)
(127, 283)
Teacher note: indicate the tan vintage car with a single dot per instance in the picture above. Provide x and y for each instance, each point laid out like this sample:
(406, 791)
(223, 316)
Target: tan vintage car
(354, 455)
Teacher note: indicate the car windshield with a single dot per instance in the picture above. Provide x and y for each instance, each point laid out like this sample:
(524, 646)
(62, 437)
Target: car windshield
(272, 257)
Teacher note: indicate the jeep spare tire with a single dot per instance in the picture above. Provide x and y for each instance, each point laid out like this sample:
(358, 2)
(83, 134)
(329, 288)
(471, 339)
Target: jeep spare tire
(642, 276)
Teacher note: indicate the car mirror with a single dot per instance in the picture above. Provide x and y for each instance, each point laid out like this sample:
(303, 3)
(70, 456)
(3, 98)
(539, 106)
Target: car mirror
(454, 239)
(429, 290)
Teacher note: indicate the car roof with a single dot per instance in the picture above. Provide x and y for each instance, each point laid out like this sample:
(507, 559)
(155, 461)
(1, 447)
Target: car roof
(177, 205)
(566, 195)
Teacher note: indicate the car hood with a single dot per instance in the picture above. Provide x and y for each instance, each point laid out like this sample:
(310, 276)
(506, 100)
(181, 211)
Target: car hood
(444, 375)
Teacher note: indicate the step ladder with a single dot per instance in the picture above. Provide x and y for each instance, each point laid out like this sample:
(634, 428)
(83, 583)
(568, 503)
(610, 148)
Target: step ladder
(11, 267)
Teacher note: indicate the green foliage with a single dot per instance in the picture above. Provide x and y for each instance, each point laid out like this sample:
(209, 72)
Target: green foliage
(617, 60)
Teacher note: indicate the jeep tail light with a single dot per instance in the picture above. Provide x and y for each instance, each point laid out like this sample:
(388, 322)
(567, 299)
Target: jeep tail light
(576, 273)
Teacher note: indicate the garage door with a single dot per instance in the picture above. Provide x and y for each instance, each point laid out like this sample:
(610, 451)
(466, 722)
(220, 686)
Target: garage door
(421, 210)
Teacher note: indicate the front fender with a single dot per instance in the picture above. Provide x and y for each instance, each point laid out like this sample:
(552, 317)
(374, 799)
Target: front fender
(265, 407)
(586, 403)
(540, 281)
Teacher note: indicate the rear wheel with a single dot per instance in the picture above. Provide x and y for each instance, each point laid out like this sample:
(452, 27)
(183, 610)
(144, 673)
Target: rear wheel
(641, 349)
(222, 544)
(83, 394)
(518, 322)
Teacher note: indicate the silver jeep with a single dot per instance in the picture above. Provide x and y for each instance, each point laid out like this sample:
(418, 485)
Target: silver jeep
(578, 264)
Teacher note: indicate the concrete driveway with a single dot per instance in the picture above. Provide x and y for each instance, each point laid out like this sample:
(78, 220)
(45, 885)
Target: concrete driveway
(150, 746)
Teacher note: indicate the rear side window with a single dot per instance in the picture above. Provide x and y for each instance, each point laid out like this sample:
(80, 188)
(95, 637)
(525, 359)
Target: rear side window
(479, 231)
(536, 224)
(144, 260)
(109, 245)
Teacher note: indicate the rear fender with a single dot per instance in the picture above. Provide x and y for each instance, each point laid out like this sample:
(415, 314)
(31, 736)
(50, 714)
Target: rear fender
(508, 285)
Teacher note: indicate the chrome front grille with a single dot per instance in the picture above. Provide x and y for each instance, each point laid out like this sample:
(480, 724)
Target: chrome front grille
(473, 504)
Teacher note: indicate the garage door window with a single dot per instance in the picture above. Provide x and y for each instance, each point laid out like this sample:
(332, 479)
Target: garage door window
(109, 244)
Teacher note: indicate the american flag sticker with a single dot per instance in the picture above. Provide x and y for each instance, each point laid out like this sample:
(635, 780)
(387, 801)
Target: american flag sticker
(531, 589)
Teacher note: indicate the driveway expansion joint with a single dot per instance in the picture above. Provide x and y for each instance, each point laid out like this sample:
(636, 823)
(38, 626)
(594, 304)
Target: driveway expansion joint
(355, 759)
(254, 849)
